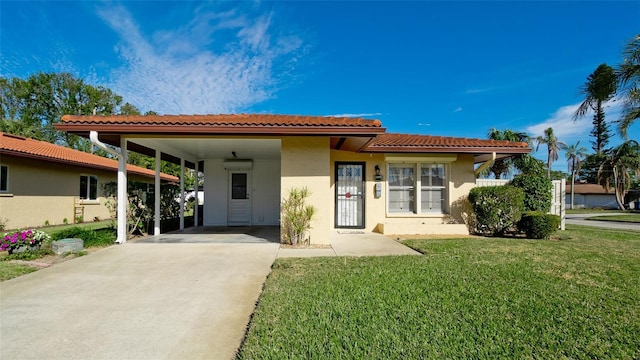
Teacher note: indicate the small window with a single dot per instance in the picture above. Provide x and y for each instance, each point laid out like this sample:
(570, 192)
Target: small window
(88, 187)
(4, 178)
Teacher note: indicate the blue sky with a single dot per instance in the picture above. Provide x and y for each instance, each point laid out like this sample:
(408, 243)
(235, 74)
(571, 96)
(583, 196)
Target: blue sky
(440, 68)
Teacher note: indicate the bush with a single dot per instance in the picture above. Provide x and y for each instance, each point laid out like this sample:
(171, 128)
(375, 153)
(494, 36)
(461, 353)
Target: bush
(538, 225)
(537, 191)
(101, 237)
(296, 217)
(498, 208)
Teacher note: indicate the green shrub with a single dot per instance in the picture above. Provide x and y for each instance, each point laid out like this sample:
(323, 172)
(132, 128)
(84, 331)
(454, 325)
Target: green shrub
(537, 191)
(296, 217)
(497, 208)
(538, 225)
(101, 237)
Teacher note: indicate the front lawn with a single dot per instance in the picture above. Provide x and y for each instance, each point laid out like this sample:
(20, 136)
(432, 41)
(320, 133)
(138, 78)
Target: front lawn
(575, 296)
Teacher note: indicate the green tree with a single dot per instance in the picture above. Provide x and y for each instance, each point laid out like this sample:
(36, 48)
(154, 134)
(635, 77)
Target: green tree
(505, 166)
(619, 167)
(31, 107)
(628, 75)
(599, 88)
(574, 154)
(553, 147)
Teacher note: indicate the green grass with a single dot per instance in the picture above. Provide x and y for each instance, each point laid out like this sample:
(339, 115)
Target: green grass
(591, 211)
(98, 237)
(632, 218)
(575, 296)
(9, 270)
(93, 235)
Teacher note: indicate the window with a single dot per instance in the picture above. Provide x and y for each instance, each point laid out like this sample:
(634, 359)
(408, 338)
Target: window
(401, 188)
(432, 185)
(4, 178)
(88, 187)
(432, 188)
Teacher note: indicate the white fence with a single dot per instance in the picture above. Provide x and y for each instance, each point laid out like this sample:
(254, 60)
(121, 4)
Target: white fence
(557, 195)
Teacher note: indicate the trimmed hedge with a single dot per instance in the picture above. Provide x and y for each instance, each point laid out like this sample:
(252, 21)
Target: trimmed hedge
(538, 225)
(497, 208)
(537, 191)
(100, 237)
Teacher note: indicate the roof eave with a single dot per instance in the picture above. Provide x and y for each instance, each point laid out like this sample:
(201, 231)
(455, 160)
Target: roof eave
(81, 164)
(221, 130)
(448, 149)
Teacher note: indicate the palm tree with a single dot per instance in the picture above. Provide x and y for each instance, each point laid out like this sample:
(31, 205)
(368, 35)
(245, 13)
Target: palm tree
(617, 168)
(574, 153)
(505, 165)
(553, 147)
(628, 75)
(600, 87)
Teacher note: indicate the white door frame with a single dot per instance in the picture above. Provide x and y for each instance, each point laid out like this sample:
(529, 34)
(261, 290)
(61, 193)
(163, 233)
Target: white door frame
(231, 221)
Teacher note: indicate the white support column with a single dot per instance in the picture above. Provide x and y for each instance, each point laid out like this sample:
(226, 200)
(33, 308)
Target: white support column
(123, 197)
(181, 194)
(156, 210)
(196, 207)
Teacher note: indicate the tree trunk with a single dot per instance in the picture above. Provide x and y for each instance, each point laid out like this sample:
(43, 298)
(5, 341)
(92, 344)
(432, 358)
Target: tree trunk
(618, 191)
(573, 181)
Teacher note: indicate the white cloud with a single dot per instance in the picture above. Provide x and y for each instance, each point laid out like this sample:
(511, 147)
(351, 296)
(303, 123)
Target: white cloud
(219, 62)
(568, 130)
(478, 90)
(355, 115)
(458, 109)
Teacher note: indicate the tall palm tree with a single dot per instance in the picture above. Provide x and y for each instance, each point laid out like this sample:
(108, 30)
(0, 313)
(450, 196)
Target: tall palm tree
(620, 163)
(600, 87)
(628, 75)
(553, 147)
(574, 153)
(505, 165)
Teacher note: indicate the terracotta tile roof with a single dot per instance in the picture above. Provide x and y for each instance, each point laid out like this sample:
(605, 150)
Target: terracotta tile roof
(222, 123)
(587, 189)
(25, 147)
(427, 143)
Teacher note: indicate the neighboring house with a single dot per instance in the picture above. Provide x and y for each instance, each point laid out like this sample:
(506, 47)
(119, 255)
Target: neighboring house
(590, 196)
(359, 176)
(46, 183)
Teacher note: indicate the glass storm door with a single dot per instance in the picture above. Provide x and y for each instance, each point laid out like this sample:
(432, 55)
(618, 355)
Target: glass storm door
(350, 195)
(239, 198)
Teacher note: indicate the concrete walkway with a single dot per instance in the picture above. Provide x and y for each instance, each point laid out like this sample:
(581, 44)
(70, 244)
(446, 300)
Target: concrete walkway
(353, 243)
(136, 301)
(175, 296)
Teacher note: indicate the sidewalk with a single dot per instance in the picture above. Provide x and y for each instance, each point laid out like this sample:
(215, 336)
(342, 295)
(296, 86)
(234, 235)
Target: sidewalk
(353, 244)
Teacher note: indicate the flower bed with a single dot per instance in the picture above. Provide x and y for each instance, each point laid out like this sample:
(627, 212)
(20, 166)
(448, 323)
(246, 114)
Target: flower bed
(23, 239)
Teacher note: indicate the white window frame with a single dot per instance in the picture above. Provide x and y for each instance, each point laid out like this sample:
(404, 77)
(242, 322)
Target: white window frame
(6, 179)
(89, 177)
(423, 187)
(417, 189)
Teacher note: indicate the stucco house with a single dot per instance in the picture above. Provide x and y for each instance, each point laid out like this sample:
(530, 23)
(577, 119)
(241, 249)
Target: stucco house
(43, 183)
(361, 178)
(590, 196)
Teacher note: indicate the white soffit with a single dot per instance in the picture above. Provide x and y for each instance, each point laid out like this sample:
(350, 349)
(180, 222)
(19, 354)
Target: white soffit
(238, 164)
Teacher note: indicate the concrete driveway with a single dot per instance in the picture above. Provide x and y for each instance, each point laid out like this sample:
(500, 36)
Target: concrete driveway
(137, 301)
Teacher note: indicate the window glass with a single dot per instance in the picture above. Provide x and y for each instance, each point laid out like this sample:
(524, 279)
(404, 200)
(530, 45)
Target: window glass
(432, 183)
(4, 178)
(401, 188)
(239, 186)
(88, 187)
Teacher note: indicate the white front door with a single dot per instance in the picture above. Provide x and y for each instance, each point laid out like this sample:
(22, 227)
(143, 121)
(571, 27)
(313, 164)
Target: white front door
(239, 212)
